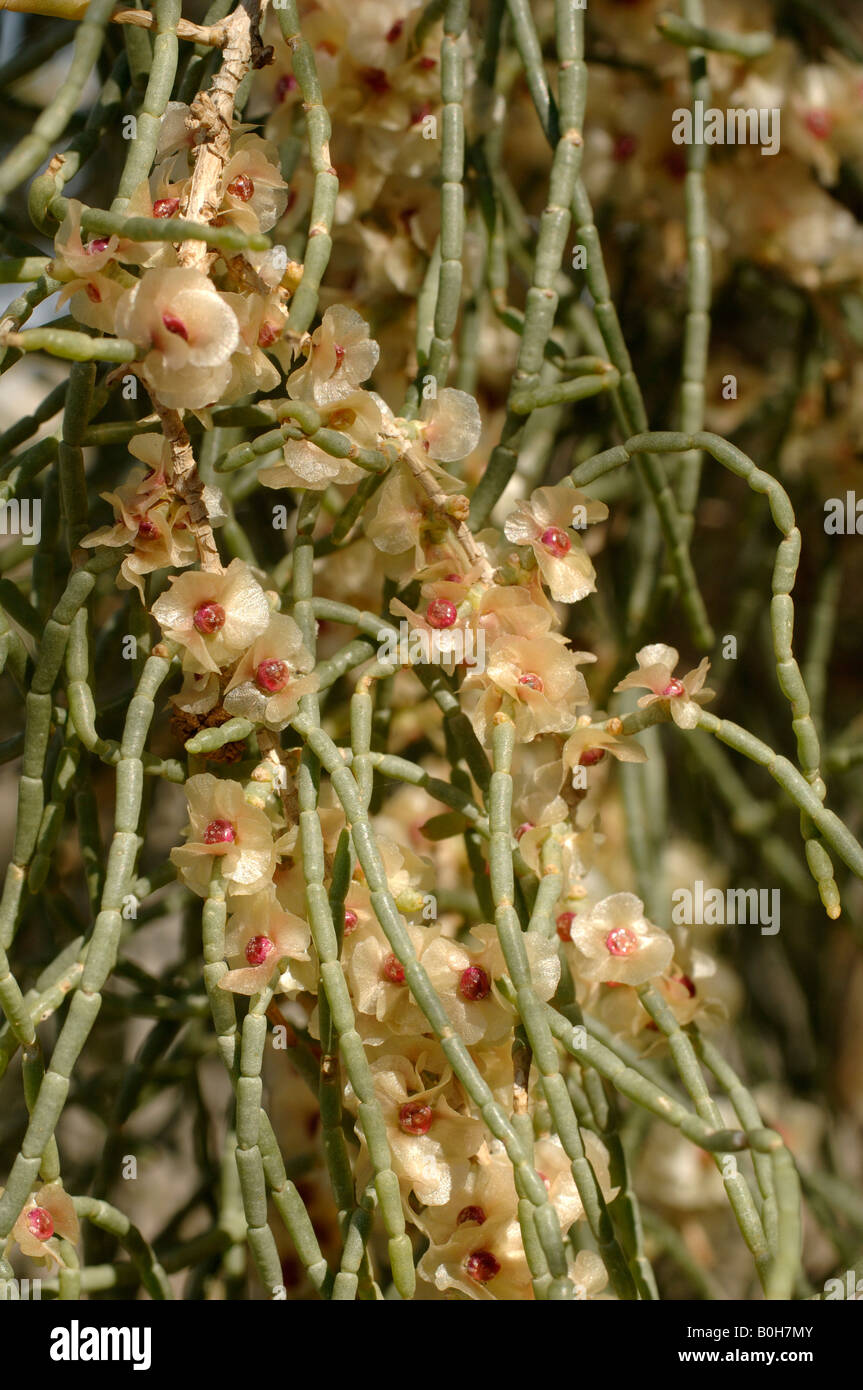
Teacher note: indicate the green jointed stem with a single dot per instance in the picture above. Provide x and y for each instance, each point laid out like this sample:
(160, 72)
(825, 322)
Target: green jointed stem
(451, 192)
(781, 617)
(535, 1023)
(324, 932)
(49, 126)
(690, 31)
(148, 118)
(696, 338)
(142, 1255)
(319, 241)
(104, 942)
(736, 1187)
(565, 135)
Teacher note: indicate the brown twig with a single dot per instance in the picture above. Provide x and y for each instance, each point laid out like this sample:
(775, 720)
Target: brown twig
(211, 120)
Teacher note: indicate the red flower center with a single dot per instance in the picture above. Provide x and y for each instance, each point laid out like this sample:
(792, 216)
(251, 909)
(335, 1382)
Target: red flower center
(258, 949)
(340, 353)
(621, 942)
(286, 83)
(97, 245)
(564, 925)
(471, 1216)
(590, 756)
(268, 333)
(41, 1223)
(674, 687)
(441, 613)
(166, 207)
(624, 148)
(147, 529)
(175, 325)
(351, 921)
(208, 618)
(819, 123)
(474, 984)
(220, 832)
(556, 541)
(481, 1266)
(393, 970)
(395, 33)
(375, 79)
(272, 675)
(532, 681)
(415, 1117)
(241, 187)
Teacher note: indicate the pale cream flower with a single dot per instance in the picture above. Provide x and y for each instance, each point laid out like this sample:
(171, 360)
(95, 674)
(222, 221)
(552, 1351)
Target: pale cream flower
(222, 825)
(464, 975)
(615, 942)
(215, 617)
(341, 357)
(306, 465)
(186, 333)
(450, 427)
(547, 523)
(685, 694)
(252, 181)
(587, 746)
(260, 935)
(272, 676)
(475, 1239)
(430, 1141)
(541, 679)
(46, 1214)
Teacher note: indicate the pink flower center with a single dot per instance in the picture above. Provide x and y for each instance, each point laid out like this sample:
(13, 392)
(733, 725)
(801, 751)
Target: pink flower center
(175, 325)
(241, 187)
(441, 613)
(268, 333)
(522, 830)
(624, 148)
(286, 83)
(590, 756)
(41, 1223)
(375, 79)
(532, 681)
(474, 984)
(272, 675)
(97, 245)
(340, 353)
(564, 925)
(220, 832)
(819, 123)
(556, 541)
(147, 529)
(674, 687)
(415, 1117)
(208, 618)
(351, 921)
(166, 207)
(258, 949)
(471, 1216)
(393, 970)
(481, 1266)
(621, 942)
